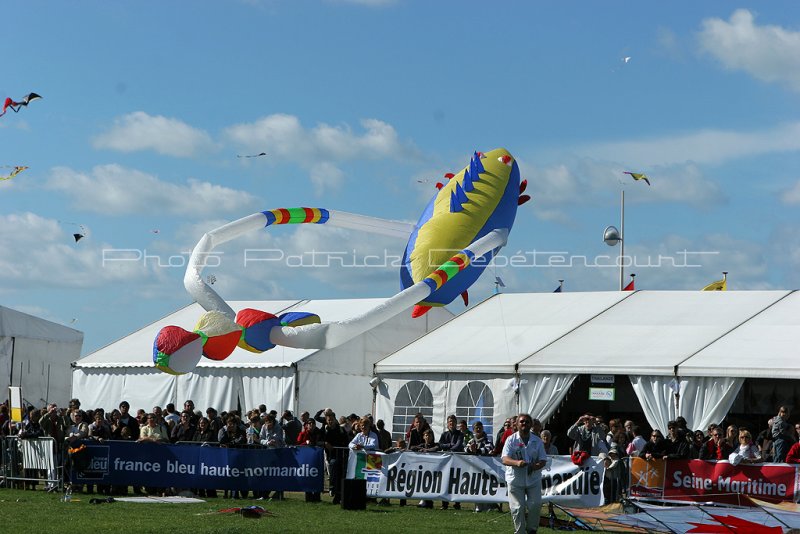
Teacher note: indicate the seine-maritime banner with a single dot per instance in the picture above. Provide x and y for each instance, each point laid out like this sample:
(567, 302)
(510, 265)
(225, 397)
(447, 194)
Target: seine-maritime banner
(122, 463)
(699, 480)
(470, 478)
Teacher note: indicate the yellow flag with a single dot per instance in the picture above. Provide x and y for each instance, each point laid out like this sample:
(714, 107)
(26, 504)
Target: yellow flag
(719, 285)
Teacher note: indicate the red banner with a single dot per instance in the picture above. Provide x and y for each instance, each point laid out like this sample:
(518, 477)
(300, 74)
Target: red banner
(699, 480)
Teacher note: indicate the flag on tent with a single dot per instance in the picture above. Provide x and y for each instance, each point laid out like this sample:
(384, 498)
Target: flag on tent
(560, 287)
(719, 285)
(630, 287)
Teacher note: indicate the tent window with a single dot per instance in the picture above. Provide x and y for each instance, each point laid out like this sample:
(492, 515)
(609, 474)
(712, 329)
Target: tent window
(413, 397)
(476, 403)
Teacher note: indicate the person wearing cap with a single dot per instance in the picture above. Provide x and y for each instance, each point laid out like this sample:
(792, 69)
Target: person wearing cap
(524, 457)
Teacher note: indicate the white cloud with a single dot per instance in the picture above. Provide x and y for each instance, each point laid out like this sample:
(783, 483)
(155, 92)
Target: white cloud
(768, 53)
(322, 148)
(139, 131)
(792, 195)
(302, 261)
(284, 136)
(705, 146)
(583, 181)
(113, 189)
(41, 253)
(326, 176)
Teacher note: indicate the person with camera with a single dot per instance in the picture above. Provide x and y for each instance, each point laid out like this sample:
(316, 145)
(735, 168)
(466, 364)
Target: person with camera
(588, 435)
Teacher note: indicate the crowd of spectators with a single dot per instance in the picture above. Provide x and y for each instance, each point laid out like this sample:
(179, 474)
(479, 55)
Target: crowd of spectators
(588, 436)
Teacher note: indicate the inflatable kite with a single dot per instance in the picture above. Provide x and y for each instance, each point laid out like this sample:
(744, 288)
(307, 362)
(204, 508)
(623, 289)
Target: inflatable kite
(462, 228)
(15, 106)
(15, 171)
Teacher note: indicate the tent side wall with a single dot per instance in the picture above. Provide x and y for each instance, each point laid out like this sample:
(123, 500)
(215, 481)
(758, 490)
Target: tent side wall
(344, 393)
(106, 387)
(465, 394)
(40, 367)
(273, 386)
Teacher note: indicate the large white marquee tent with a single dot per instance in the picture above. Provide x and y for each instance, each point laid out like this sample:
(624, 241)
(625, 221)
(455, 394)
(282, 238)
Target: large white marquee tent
(35, 355)
(522, 352)
(281, 378)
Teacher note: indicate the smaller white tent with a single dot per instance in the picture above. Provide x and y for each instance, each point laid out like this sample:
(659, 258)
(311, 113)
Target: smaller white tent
(281, 378)
(36, 354)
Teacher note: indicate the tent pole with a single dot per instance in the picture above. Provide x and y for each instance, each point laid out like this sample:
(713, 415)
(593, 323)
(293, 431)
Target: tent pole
(47, 391)
(13, 346)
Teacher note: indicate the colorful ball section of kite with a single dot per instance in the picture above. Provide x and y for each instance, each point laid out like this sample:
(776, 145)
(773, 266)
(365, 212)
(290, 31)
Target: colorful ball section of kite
(177, 351)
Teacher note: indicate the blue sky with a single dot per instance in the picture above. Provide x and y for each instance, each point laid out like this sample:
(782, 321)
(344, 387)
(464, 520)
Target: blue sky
(362, 106)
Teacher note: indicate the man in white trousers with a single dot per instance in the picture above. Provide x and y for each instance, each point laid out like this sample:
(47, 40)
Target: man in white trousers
(524, 457)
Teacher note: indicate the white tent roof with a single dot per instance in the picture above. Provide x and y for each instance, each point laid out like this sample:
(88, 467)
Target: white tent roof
(14, 323)
(500, 332)
(650, 332)
(136, 349)
(707, 333)
(767, 345)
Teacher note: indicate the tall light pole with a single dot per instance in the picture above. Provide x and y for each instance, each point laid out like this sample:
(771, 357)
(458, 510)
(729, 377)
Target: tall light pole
(612, 236)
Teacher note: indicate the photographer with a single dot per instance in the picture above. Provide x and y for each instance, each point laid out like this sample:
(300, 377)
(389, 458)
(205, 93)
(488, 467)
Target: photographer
(588, 435)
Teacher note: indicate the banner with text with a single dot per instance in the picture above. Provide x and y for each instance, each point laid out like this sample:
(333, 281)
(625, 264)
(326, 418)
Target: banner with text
(126, 463)
(701, 480)
(469, 478)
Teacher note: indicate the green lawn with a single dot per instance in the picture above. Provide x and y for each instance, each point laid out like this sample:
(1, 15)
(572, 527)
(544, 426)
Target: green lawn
(38, 511)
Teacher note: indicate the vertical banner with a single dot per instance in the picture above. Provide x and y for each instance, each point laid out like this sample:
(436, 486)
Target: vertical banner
(469, 478)
(15, 403)
(647, 477)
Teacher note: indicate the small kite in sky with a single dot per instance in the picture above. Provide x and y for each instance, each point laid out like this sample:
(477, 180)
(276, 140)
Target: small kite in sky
(15, 106)
(626, 59)
(639, 176)
(16, 170)
(251, 155)
(79, 232)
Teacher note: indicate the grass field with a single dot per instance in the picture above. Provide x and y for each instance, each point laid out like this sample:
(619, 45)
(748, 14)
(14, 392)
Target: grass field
(38, 511)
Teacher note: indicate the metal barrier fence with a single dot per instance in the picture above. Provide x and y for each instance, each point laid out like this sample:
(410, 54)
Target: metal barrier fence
(30, 461)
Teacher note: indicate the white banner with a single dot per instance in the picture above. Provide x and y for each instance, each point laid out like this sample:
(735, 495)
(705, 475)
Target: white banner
(469, 478)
